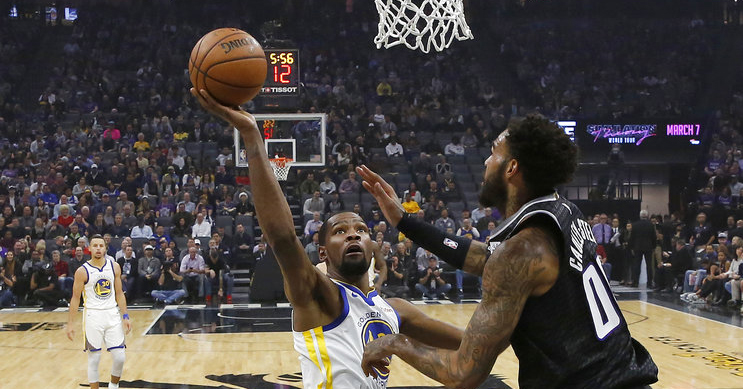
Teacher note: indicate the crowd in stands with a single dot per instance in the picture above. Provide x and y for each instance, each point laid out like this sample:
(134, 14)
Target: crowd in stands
(117, 146)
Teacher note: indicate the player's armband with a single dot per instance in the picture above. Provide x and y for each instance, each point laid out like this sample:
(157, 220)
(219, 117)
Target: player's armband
(450, 248)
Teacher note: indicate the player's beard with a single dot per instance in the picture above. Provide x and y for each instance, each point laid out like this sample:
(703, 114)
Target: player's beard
(352, 269)
(494, 192)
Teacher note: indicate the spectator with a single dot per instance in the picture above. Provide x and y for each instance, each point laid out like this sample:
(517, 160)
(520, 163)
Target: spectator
(455, 147)
(201, 228)
(396, 283)
(193, 269)
(394, 149)
(170, 287)
(314, 204)
(243, 244)
(141, 230)
(219, 281)
(334, 206)
(44, 287)
(313, 226)
(430, 284)
(129, 270)
(61, 268)
(467, 230)
(244, 207)
(327, 186)
(190, 205)
(149, 271)
(312, 249)
(349, 185)
(733, 285)
(410, 205)
(642, 243)
(11, 278)
(701, 233)
(308, 186)
(602, 231)
(445, 221)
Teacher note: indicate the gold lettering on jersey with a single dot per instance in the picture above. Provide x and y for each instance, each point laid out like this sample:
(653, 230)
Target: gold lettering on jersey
(580, 232)
(714, 358)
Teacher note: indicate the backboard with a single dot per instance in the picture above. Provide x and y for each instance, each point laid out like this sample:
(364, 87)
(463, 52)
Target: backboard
(299, 136)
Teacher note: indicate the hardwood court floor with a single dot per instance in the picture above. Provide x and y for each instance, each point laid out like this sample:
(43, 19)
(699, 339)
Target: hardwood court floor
(691, 352)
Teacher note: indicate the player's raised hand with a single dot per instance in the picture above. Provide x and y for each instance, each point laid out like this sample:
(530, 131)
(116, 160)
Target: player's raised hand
(384, 193)
(377, 356)
(242, 120)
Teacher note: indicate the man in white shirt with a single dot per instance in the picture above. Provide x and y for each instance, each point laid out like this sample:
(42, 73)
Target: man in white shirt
(193, 269)
(393, 148)
(313, 225)
(314, 204)
(201, 227)
(141, 230)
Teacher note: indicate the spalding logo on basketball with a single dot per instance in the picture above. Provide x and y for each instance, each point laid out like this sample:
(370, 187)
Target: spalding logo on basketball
(102, 288)
(374, 329)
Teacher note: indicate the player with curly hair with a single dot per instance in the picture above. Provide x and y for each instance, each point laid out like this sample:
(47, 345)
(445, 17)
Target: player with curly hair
(543, 291)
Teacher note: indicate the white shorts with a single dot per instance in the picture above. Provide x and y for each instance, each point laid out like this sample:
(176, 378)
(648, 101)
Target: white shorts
(103, 327)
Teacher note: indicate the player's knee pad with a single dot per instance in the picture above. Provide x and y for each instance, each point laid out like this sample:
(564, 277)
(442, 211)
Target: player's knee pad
(94, 358)
(118, 357)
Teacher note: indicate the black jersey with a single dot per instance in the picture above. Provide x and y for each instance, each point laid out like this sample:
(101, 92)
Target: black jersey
(574, 336)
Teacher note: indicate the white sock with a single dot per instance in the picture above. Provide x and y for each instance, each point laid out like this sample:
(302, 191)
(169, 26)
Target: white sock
(111, 385)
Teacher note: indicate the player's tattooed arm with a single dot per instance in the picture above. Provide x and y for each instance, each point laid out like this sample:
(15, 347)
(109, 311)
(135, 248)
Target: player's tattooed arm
(476, 258)
(518, 267)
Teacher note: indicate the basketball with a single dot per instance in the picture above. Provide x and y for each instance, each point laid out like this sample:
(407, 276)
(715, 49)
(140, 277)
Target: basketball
(228, 63)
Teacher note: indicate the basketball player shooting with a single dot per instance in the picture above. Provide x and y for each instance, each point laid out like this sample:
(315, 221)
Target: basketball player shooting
(542, 290)
(335, 314)
(105, 315)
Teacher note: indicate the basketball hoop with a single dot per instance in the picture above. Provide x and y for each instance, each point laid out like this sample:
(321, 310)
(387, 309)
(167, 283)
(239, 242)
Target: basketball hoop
(433, 22)
(281, 167)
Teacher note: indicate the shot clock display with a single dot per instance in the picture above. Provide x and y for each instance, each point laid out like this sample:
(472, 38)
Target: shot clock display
(282, 77)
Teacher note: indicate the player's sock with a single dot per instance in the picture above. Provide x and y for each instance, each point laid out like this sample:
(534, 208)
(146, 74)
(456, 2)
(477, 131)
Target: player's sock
(111, 385)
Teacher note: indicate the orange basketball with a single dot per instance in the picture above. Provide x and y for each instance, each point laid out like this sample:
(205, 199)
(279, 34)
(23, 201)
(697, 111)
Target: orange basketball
(229, 64)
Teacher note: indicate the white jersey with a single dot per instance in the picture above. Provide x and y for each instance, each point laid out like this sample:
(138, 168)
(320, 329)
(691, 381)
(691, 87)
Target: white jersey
(99, 292)
(330, 356)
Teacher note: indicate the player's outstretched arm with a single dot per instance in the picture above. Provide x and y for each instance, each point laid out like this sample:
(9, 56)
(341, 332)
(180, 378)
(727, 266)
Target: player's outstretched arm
(81, 277)
(524, 265)
(274, 215)
(425, 329)
(462, 253)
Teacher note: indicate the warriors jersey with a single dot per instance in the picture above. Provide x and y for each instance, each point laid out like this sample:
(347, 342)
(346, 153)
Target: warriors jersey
(330, 355)
(573, 336)
(99, 291)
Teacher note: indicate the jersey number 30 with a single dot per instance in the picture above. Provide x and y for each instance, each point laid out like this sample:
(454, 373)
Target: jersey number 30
(601, 301)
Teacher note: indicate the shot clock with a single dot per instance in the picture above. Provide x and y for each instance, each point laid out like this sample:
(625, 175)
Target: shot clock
(282, 77)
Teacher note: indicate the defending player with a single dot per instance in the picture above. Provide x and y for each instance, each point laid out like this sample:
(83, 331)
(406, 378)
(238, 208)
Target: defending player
(103, 321)
(336, 314)
(543, 292)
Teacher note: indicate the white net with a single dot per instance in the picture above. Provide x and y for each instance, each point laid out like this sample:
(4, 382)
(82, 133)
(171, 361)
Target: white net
(281, 167)
(419, 26)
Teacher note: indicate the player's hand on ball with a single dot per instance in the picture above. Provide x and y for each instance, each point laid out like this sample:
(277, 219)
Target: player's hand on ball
(377, 356)
(70, 332)
(384, 193)
(242, 120)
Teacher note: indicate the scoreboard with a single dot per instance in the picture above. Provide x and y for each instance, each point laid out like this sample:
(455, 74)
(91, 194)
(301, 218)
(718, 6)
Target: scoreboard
(282, 77)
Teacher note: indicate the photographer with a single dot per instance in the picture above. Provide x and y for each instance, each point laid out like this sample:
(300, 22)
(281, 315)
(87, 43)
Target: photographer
(44, 287)
(430, 283)
(170, 284)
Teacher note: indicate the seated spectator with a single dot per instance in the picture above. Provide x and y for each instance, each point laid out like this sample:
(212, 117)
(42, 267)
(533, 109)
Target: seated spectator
(467, 230)
(64, 277)
(148, 271)
(65, 218)
(335, 205)
(313, 226)
(312, 249)
(11, 278)
(141, 230)
(219, 280)
(349, 185)
(327, 186)
(430, 284)
(733, 283)
(170, 284)
(243, 245)
(308, 186)
(129, 270)
(410, 205)
(469, 140)
(455, 147)
(396, 283)
(314, 204)
(44, 287)
(445, 221)
(412, 190)
(193, 269)
(394, 149)
(201, 228)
